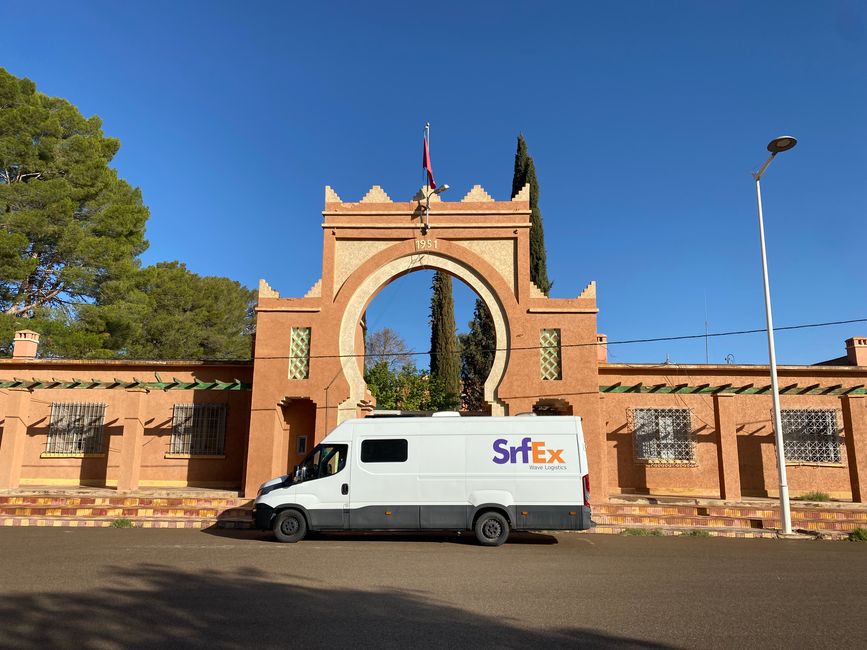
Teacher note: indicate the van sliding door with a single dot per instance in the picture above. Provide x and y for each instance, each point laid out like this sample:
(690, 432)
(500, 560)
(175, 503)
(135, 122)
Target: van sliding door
(384, 494)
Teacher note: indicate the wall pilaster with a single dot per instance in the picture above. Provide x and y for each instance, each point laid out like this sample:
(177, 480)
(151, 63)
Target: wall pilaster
(132, 441)
(264, 448)
(14, 437)
(855, 425)
(727, 449)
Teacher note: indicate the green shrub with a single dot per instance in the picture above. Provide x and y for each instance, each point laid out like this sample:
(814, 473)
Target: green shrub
(121, 523)
(814, 496)
(858, 535)
(642, 532)
(697, 533)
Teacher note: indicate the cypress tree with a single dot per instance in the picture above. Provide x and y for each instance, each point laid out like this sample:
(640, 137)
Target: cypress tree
(477, 357)
(525, 172)
(519, 177)
(444, 360)
(476, 360)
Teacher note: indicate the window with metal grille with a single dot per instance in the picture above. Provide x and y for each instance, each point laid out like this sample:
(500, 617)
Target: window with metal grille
(198, 429)
(299, 353)
(549, 355)
(811, 435)
(662, 435)
(76, 428)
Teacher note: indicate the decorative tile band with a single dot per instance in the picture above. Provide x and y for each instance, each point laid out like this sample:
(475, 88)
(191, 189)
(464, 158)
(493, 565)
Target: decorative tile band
(729, 389)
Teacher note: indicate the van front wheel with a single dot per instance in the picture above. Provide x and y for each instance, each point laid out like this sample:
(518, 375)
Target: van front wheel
(492, 529)
(290, 526)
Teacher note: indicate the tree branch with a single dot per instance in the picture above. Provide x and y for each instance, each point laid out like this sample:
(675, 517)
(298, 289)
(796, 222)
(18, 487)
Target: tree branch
(17, 311)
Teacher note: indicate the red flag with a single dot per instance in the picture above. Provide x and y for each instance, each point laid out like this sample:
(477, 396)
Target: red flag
(425, 163)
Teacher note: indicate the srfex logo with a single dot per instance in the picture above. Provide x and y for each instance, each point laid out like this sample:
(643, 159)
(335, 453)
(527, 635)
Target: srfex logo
(527, 450)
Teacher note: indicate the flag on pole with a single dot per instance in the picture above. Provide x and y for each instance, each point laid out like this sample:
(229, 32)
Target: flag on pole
(425, 163)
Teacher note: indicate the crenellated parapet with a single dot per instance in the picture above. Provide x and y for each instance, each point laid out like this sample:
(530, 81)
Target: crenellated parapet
(376, 194)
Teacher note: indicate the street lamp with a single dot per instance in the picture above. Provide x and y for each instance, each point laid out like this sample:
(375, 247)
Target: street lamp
(425, 225)
(775, 146)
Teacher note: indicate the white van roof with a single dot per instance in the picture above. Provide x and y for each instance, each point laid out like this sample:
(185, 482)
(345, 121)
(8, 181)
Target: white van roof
(465, 425)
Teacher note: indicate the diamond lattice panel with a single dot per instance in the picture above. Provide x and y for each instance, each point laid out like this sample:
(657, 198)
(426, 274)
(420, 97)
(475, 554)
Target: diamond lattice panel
(299, 353)
(549, 355)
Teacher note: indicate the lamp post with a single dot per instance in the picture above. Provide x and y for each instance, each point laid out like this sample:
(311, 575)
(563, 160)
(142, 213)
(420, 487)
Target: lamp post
(777, 145)
(425, 226)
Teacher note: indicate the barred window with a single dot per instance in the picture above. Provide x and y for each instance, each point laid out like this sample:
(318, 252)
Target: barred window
(299, 353)
(198, 429)
(301, 445)
(549, 355)
(811, 435)
(662, 435)
(76, 428)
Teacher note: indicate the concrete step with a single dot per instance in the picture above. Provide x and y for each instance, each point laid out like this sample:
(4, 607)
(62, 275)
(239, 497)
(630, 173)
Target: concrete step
(677, 520)
(91, 511)
(197, 510)
(747, 533)
(619, 529)
(798, 514)
(752, 523)
(140, 522)
(120, 501)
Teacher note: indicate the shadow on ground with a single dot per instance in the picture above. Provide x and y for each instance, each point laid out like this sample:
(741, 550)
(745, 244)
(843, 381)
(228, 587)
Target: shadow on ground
(154, 606)
(439, 537)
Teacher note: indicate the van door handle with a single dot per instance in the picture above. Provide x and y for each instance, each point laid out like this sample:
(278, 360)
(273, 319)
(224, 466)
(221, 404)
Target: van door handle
(344, 489)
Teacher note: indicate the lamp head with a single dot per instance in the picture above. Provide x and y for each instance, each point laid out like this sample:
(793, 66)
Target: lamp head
(782, 143)
(442, 188)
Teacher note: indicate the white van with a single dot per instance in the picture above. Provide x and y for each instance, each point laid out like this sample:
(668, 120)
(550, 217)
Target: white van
(486, 474)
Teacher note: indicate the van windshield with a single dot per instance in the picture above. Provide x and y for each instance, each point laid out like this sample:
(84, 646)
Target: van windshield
(322, 461)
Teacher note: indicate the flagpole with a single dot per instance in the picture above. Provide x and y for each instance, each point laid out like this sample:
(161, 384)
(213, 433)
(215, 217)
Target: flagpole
(424, 226)
(427, 140)
(430, 186)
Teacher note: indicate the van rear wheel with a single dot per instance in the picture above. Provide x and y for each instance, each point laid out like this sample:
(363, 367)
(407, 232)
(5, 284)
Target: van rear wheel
(290, 526)
(491, 529)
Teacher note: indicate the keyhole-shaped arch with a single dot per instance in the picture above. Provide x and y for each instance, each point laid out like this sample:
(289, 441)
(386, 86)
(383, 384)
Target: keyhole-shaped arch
(370, 286)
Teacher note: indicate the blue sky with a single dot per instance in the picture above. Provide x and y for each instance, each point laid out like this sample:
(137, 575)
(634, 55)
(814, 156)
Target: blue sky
(644, 120)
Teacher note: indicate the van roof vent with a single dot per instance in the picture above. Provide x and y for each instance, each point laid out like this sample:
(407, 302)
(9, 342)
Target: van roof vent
(446, 414)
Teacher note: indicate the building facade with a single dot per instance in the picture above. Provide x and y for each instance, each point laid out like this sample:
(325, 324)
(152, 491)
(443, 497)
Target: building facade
(698, 430)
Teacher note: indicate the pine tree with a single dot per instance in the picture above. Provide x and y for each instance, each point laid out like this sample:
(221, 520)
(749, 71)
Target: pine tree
(525, 172)
(477, 356)
(68, 224)
(444, 360)
(71, 232)
(169, 312)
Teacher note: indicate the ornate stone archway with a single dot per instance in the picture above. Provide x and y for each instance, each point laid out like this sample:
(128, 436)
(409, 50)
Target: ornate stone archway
(372, 284)
(311, 348)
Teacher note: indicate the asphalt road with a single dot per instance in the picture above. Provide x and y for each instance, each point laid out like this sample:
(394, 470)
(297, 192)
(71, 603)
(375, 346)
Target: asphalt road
(113, 588)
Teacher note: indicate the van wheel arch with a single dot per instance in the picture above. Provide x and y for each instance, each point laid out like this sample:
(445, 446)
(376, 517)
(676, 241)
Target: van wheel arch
(491, 507)
(291, 506)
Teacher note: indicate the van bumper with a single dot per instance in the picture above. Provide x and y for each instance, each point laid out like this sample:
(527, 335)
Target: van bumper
(263, 515)
(585, 523)
(558, 517)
